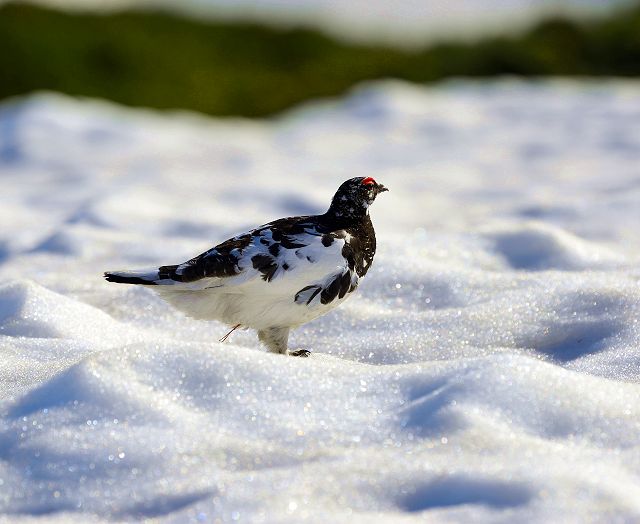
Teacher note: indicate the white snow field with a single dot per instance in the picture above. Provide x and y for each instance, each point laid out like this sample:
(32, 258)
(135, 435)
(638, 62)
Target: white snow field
(487, 370)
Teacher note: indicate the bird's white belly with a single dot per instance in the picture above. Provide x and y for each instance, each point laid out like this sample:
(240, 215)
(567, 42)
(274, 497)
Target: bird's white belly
(250, 309)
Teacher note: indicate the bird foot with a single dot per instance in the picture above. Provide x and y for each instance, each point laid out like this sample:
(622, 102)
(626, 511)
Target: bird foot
(300, 353)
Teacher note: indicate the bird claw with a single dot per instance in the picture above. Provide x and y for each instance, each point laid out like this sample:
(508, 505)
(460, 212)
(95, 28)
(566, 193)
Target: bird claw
(300, 353)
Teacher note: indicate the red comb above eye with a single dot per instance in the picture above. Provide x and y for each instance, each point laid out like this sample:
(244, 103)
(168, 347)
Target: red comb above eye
(368, 181)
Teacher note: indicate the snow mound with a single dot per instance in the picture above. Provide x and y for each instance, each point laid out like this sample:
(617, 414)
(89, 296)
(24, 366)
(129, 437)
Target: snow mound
(30, 310)
(488, 369)
(537, 247)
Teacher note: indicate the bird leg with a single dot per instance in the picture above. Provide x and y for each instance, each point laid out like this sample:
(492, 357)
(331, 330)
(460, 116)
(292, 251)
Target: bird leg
(224, 339)
(276, 340)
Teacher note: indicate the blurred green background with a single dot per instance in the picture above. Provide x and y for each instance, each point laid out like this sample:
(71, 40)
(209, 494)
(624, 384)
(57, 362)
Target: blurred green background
(156, 59)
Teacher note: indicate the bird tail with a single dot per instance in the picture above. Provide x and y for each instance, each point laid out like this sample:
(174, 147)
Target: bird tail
(145, 277)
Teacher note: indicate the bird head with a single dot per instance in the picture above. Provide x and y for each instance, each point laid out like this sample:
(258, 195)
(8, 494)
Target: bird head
(353, 198)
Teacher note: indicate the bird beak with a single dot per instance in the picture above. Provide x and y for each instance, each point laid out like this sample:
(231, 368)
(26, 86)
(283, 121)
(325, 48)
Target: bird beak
(381, 188)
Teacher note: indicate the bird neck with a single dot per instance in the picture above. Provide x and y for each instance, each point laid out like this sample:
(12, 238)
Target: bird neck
(342, 217)
(346, 213)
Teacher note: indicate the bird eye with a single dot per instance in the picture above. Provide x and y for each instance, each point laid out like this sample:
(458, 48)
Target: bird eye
(368, 181)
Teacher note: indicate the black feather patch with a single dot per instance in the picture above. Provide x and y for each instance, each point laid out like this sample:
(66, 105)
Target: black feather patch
(120, 279)
(290, 243)
(276, 235)
(274, 249)
(296, 229)
(349, 255)
(307, 294)
(266, 265)
(345, 283)
(221, 261)
(331, 291)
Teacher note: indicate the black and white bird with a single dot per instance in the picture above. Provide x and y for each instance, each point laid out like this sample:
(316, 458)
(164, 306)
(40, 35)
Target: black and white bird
(278, 276)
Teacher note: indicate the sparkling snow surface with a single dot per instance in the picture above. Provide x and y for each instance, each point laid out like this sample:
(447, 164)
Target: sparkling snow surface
(488, 367)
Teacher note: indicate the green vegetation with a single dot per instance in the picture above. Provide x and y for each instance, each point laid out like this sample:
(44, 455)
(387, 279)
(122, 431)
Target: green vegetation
(158, 60)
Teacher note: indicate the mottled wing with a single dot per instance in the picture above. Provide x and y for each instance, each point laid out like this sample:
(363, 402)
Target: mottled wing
(254, 254)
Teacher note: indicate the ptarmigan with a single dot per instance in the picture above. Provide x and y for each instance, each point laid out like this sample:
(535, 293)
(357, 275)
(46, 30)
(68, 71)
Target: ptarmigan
(278, 276)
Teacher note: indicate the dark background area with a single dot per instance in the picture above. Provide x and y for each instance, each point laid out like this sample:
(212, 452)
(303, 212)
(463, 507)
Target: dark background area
(160, 60)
